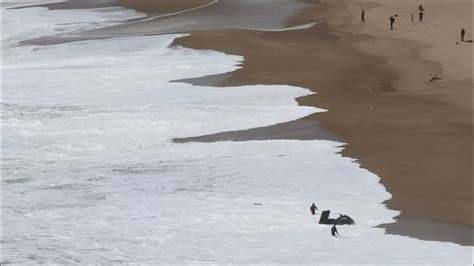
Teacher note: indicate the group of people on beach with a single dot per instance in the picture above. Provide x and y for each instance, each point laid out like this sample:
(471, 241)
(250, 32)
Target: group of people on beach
(334, 231)
(421, 14)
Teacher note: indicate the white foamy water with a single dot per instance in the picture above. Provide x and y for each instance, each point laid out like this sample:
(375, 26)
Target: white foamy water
(24, 24)
(90, 174)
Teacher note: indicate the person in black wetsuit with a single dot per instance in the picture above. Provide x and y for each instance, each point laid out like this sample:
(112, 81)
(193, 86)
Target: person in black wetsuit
(463, 33)
(313, 209)
(362, 16)
(334, 231)
(392, 20)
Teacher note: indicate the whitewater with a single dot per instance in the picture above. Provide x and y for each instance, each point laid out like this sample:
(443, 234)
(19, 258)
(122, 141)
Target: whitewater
(90, 173)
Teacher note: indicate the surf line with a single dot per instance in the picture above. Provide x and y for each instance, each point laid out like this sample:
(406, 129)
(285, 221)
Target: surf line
(183, 34)
(173, 14)
(75, 33)
(297, 27)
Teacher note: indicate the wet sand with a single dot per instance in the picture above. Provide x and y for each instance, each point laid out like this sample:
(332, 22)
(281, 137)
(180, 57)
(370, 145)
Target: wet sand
(162, 7)
(221, 15)
(301, 129)
(416, 135)
(76, 4)
(224, 14)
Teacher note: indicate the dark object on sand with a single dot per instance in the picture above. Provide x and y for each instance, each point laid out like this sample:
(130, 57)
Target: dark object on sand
(420, 8)
(392, 20)
(257, 203)
(341, 220)
(362, 16)
(463, 33)
(420, 16)
(313, 209)
(334, 231)
(435, 78)
(411, 17)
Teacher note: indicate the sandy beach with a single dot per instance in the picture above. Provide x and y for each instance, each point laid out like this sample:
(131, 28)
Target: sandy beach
(434, 182)
(416, 134)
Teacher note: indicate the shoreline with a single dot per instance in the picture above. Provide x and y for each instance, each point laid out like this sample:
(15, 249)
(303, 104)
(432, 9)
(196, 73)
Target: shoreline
(411, 133)
(377, 118)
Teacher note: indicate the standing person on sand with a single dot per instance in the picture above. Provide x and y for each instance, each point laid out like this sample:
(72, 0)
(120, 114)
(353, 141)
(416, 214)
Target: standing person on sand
(463, 33)
(412, 18)
(334, 231)
(313, 209)
(362, 15)
(392, 20)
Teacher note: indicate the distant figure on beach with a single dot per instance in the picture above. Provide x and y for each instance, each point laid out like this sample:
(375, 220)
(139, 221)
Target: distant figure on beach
(421, 9)
(334, 231)
(392, 20)
(463, 33)
(420, 18)
(313, 209)
(362, 15)
(412, 17)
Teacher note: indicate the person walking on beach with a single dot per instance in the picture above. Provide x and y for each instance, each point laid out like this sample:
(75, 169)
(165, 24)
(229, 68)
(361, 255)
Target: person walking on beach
(313, 209)
(463, 33)
(362, 15)
(334, 231)
(392, 20)
(420, 18)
